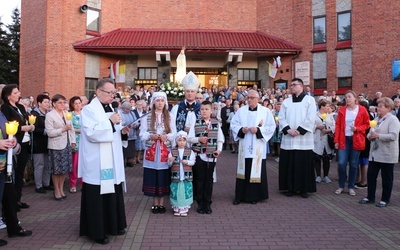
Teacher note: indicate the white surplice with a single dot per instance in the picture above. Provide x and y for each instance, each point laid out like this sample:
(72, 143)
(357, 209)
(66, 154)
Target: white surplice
(99, 145)
(250, 146)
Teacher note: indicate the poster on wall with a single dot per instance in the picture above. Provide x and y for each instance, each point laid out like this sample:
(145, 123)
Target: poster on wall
(396, 70)
(302, 71)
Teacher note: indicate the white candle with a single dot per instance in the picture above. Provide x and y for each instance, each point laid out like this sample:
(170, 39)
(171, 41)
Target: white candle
(9, 157)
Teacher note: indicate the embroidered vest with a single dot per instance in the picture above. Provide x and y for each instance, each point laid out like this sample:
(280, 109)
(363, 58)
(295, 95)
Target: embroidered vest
(175, 168)
(201, 129)
(182, 112)
(149, 142)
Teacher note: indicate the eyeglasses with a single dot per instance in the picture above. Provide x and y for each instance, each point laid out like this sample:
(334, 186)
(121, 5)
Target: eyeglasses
(110, 93)
(294, 84)
(252, 97)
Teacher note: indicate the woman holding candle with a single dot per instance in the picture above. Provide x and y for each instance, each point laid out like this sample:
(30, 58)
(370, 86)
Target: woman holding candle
(75, 105)
(324, 124)
(14, 111)
(384, 152)
(8, 194)
(61, 142)
(350, 130)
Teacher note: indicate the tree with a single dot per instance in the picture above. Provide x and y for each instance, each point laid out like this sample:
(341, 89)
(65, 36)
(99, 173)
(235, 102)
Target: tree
(13, 37)
(5, 55)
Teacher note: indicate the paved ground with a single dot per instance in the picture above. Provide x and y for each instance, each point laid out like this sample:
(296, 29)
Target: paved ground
(323, 221)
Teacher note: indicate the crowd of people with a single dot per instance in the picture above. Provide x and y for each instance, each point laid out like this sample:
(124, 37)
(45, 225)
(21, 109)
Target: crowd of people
(178, 146)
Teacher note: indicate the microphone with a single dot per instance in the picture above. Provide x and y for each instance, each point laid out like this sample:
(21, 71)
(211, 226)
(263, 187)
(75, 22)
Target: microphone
(115, 105)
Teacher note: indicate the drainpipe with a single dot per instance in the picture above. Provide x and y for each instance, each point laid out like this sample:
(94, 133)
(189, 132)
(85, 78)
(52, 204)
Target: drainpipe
(293, 67)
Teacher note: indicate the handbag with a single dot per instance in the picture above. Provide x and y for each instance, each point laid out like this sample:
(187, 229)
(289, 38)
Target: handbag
(331, 142)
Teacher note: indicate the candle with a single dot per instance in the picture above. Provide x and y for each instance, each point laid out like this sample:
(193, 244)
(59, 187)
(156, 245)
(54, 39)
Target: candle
(11, 130)
(32, 119)
(68, 116)
(323, 116)
(276, 118)
(372, 123)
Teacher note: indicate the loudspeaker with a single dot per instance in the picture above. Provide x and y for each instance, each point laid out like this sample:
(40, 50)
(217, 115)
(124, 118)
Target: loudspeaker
(84, 8)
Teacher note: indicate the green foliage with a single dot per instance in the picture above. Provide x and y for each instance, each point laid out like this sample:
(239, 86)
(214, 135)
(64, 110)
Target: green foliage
(9, 49)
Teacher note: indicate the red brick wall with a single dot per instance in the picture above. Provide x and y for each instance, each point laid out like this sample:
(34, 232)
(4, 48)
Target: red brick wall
(190, 14)
(47, 35)
(33, 44)
(376, 42)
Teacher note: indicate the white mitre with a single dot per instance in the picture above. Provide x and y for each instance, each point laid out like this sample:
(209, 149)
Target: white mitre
(191, 82)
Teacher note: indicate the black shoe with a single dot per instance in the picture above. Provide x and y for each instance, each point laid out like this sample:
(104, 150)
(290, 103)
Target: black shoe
(304, 195)
(233, 152)
(289, 193)
(50, 188)
(121, 232)
(103, 241)
(18, 209)
(21, 233)
(161, 210)
(3, 243)
(22, 205)
(200, 210)
(40, 190)
(64, 197)
(236, 202)
(208, 209)
(59, 198)
(154, 209)
(253, 202)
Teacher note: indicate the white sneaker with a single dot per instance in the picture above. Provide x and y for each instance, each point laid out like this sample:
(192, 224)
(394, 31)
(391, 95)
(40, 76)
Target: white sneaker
(2, 225)
(318, 179)
(327, 180)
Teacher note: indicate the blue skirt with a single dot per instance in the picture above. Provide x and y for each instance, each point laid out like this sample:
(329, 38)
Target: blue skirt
(156, 182)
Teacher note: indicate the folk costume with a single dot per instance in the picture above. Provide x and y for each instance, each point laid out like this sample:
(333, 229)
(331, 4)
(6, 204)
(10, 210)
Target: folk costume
(184, 113)
(156, 172)
(296, 169)
(251, 177)
(205, 162)
(181, 196)
(102, 171)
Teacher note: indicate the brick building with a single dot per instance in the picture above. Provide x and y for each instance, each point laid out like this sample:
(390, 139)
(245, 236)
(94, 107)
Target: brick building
(334, 45)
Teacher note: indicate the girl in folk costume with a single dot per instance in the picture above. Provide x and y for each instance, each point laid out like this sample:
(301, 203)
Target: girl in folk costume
(157, 132)
(181, 159)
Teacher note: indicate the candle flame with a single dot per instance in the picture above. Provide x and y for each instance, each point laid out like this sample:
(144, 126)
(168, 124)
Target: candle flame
(372, 123)
(12, 127)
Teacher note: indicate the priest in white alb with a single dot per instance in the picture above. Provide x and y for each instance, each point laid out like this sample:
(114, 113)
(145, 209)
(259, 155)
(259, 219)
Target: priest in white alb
(101, 167)
(253, 125)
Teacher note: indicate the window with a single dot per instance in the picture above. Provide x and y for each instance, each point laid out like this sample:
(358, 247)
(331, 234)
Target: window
(344, 26)
(247, 74)
(93, 20)
(320, 83)
(319, 30)
(344, 82)
(90, 86)
(148, 73)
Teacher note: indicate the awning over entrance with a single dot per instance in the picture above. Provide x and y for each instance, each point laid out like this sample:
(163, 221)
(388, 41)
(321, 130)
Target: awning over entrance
(129, 41)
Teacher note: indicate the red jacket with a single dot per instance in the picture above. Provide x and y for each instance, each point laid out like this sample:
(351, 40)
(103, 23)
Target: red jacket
(361, 123)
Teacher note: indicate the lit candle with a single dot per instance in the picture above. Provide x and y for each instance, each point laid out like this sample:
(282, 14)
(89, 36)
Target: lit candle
(11, 130)
(32, 119)
(323, 116)
(276, 118)
(372, 124)
(68, 116)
